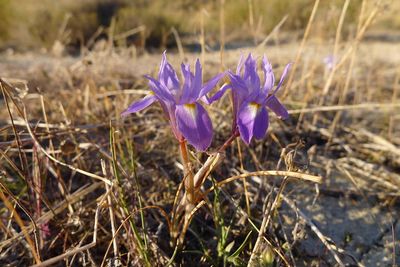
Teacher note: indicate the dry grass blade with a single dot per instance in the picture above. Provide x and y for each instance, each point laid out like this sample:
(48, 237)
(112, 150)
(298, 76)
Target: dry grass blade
(335, 50)
(188, 218)
(301, 47)
(130, 32)
(315, 229)
(75, 250)
(381, 141)
(6, 96)
(297, 175)
(125, 220)
(261, 46)
(396, 88)
(43, 150)
(20, 223)
(178, 43)
(111, 211)
(373, 106)
(59, 208)
(265, 222)
(212, 161)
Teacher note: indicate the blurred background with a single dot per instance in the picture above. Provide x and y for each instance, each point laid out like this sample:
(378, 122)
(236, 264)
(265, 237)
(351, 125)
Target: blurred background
(31, 24)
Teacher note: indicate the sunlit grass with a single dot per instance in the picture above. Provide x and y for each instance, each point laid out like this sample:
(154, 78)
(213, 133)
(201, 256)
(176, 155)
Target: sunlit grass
(79, 171)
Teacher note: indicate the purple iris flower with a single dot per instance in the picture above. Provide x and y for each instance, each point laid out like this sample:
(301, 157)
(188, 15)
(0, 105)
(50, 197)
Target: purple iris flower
(330, 62)
(251, 97)
(180, 102)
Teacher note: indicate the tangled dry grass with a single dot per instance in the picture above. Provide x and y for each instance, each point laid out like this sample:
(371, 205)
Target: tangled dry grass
(82, 187)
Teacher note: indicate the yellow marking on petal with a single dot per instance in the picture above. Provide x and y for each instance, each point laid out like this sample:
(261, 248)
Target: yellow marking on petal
(254, 108)
(191, 108)
(151, 93)
(254, 105)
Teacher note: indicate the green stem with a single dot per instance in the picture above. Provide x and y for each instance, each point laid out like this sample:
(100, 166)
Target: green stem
(141, 245)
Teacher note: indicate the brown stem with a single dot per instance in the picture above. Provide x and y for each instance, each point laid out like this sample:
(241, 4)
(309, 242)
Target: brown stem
(229, 141)
(187, 171)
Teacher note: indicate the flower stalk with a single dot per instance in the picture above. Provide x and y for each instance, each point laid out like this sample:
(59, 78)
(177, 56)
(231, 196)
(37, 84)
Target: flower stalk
(187, 172)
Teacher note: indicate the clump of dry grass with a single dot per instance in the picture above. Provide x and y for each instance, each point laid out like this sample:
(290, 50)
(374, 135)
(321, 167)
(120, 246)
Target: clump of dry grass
(32, 25)
(82, 186)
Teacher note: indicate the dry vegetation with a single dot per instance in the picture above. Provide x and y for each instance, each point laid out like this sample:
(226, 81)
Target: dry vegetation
(80, 186)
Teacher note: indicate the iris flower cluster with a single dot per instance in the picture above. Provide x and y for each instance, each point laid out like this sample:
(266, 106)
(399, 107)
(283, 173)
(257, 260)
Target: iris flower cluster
(182, 101)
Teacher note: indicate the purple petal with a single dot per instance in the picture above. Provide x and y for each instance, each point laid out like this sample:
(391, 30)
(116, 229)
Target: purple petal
(219, 94)
(160, 90)
(329, 61)
(195, 125)
(162, 64)
(172, 121)
(139, 105)
(250, 66)
(171, 80)
(198, 76)
(189, 94)
(261, 123)
(237, 82)
(206, 100)
(276, 106)
(250, 73)
(167, 75)
(285, 71)
(269, 78)
(210, 85)
(185, 68)
(247, 120)
(239, 91)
